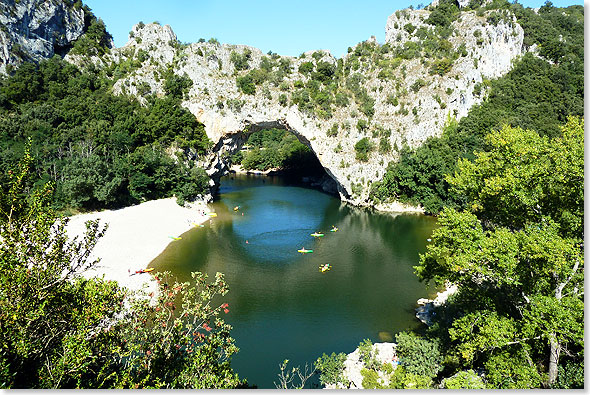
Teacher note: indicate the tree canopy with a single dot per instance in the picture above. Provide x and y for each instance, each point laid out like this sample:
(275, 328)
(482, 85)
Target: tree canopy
(516, 253)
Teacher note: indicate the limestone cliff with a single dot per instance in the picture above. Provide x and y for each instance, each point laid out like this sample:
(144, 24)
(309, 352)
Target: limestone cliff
(37, 29)
(376, 91)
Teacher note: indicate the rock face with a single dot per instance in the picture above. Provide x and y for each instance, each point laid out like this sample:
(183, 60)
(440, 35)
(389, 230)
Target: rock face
(230, 115)
(37, 29)
(383, 352)
(409, 104)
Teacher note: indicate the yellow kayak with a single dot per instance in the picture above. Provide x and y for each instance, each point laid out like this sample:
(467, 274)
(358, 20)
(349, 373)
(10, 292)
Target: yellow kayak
(175, 238)
(236, 208)
(304, 251)
(213, 215)
(316, 234)
(325, 268)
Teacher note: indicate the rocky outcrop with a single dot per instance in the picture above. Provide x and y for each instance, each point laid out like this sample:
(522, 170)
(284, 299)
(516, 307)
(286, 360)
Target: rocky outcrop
(425, 311)
(383, 353)
(37, 29)
(409, 102)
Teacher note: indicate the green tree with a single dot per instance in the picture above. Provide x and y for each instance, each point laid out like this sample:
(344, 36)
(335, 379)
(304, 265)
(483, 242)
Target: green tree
(418, 355)
(60, 330)
(331, 368)
(517, 255)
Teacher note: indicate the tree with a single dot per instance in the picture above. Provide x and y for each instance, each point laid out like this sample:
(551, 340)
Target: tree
(516, 255)
(60, 330)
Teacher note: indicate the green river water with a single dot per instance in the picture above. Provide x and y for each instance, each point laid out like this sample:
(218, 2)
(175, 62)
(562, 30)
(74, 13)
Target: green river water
(281, 305)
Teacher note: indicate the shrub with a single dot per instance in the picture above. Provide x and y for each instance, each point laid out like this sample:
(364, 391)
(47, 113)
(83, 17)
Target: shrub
(409, 28)
(363, 149)
(331, 368)
(240, 61)
(177, 86)
(362, 125)
(333, 131)
(466, 379)
(283, 99)
(384, 145)
(416, 86)
(306, 67)
(246, 84)
(441, 66)
(418, 355)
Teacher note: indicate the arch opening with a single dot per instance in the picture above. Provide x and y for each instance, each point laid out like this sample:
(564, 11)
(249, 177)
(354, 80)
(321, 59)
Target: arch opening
(224, 153)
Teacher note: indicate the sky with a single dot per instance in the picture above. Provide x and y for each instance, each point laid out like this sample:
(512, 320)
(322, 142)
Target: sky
(284, 27)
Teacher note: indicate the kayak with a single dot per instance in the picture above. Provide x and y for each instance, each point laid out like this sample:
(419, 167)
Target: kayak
(142, 271)
(236, 208)
(316, 234)
(334, 229)
(304, 251)
(213, 215)
(175, 238)
(325, 268)
(199, 225)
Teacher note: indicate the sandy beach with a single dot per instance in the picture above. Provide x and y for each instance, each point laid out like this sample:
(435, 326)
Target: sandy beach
(136, 235)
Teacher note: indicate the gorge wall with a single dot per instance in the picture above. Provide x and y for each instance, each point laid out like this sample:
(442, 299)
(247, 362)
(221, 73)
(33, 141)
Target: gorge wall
(388, 95)
(410, 101)
(37, 29)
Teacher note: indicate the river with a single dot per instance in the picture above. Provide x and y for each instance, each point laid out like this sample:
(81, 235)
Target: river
(281, 305)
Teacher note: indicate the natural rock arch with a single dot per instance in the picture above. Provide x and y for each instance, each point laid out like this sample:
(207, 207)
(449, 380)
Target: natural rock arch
(217, 162)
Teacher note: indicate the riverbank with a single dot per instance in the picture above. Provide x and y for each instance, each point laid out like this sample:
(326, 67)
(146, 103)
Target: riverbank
(135, 236)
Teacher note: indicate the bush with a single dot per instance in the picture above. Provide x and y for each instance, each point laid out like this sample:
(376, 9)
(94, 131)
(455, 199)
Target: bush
(466, 379)
(418, 355)
(363, 149)
(177, 86)
(240, 61)
(246, 84)
(417, 85)
(331, 369)
(306, 67)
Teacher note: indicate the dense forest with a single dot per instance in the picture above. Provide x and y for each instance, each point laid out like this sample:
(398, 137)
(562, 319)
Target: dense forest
(100, 150)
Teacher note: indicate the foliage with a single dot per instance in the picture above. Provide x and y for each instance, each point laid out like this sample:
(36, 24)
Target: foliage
(177, 86)
(535, 95)
(401, 379)
(240, 61)
(331, 368)
(294, 378)
(278, 149)
(191, 348)
(246, 84)
(443, 14)
(418, 355)
(61, 330)
(371, 379)
(100, 150)
(516, 255)
(94, 42)
(363, 149)
(367, 354)
(465, 379)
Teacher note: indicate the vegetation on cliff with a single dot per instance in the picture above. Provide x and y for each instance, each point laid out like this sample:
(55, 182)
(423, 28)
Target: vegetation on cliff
(537, 94)
(99, 149)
